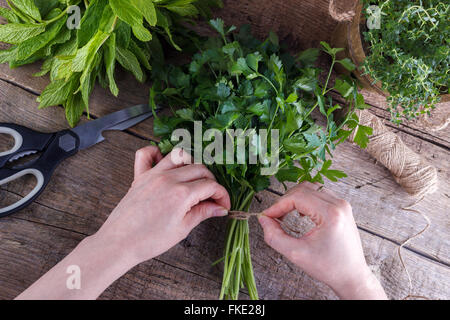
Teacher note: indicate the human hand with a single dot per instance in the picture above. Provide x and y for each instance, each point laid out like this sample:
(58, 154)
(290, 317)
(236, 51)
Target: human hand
(166, 201)
(162, 206)
(331, 252)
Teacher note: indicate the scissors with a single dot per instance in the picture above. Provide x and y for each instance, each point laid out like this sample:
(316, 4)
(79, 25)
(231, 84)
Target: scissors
(55, 148)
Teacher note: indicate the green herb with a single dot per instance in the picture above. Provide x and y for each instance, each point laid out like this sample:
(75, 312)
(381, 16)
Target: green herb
(238, 82)
(129, 32)
(410, 54)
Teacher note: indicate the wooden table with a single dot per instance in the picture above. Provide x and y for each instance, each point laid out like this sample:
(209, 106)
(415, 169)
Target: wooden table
(87, 187)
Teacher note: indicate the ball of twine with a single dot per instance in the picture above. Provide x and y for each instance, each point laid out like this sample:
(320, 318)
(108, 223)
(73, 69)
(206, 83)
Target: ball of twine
(409, 169)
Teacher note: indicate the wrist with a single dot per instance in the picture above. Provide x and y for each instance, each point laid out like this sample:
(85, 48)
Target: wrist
(112, 250)
(361, 285)
(98, 264)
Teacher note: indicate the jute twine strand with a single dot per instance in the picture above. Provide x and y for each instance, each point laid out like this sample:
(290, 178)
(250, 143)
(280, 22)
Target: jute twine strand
(292, 227)
(242, 215)
(399, 250)
(409, 169)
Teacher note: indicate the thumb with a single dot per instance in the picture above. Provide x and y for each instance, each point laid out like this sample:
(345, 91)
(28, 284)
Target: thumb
(203, 211)
(279, 240)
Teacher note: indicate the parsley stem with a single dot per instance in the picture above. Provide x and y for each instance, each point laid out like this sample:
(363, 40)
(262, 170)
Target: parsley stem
(312, 109)
(329, 75)
(270, 82)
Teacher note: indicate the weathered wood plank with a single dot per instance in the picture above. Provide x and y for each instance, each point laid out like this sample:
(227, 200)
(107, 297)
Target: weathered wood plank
(439, 138)
(380, 255)
(104, 103)
(98, 175)
(110, 164)
(301, 24)
(380, 109)
(28, 250)
(378, 201)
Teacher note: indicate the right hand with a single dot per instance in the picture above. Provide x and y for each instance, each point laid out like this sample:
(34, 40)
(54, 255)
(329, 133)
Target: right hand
(165, 202)
(332, 251)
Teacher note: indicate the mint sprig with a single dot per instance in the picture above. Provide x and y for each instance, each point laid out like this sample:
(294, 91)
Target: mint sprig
(128, 32)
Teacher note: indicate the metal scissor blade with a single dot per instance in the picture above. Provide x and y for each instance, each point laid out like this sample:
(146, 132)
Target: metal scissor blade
(90, 133)
(132, 122)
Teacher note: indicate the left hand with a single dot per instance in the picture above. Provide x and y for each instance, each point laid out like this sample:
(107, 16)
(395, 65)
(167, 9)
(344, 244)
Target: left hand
(165, 202)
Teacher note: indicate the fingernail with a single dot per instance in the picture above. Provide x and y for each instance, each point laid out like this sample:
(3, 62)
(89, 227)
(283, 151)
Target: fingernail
(263, 220)
(220, 212)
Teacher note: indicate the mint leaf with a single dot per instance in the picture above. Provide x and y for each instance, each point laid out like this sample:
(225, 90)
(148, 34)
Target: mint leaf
(16, 33)
(74, 108)
(128, 60)
(90, 22)
(55, 93)
(183, 9)
(127, 12)
(27, 7)
(110, 63)
(148, 10)
(9, 15)
(30, 46)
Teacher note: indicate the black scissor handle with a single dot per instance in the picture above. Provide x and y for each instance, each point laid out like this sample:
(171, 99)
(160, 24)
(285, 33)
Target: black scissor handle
(12, 175)
(25, 140)
(61, 146)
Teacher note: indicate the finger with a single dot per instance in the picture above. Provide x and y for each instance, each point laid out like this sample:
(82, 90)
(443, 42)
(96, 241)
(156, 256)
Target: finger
(177, 158)
(145, 159)
(276, 238)
(206, 189)
(192, 172)
(328, 195)
(305, 201)
(322, 192)
(203, 211)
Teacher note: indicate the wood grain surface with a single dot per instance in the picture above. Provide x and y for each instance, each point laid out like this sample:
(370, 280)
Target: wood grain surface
(88, 186)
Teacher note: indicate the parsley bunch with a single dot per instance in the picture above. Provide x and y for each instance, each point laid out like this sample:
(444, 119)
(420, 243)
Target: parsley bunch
(410, 54)
(238, 82)
(125, 31)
